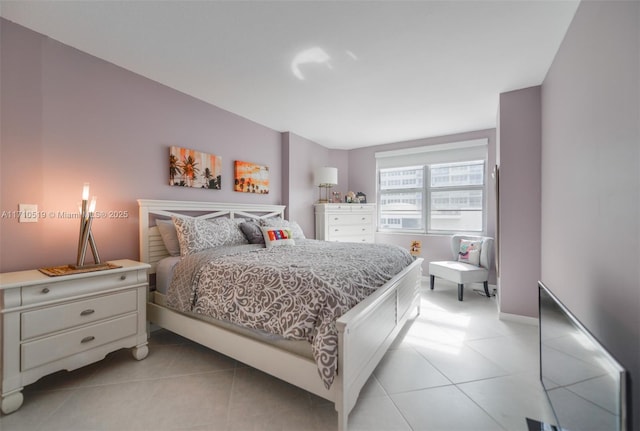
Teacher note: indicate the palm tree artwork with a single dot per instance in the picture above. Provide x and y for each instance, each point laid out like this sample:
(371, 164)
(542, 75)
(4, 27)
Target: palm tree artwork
(251, 178)
(174, 170)
(191, 168)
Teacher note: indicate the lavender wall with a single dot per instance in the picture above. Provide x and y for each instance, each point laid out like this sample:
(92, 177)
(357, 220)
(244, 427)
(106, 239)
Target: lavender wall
(301, 157)
(591, 178)
(70, 118)
(519, 208)
(362, 177)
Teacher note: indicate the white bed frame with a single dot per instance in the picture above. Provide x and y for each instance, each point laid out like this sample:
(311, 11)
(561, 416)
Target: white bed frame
(364, 333)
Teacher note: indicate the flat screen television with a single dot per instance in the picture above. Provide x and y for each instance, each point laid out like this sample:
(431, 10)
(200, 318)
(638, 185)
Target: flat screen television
(586, 386)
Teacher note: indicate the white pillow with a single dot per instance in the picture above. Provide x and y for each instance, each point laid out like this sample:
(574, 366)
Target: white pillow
(277, 236)
(169, 236)
(197, 235)
(470, 252)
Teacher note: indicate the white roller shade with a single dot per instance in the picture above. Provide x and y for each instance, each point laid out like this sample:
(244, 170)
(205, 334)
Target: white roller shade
(431, 154)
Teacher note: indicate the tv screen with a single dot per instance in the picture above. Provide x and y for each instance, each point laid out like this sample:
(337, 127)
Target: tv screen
(585, 385)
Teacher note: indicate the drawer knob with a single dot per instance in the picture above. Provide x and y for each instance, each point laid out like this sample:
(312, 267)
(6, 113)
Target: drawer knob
(45, 290)
(123, 277)
(87, 312)
(87, 339)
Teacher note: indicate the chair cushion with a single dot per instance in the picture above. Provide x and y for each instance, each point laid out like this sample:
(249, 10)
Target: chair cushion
(458, 272)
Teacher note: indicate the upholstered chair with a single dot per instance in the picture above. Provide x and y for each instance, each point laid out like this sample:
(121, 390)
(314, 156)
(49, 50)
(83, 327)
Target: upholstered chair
(468, 264)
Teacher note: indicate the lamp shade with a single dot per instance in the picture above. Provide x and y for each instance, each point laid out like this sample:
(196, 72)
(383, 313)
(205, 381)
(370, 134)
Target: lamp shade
(326, 176)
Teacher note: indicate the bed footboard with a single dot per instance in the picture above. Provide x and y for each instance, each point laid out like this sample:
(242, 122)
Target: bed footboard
(366, 332)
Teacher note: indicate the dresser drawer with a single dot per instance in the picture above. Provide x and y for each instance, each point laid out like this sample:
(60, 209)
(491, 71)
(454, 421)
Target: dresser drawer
(349, 219)
(39, 352)
(349, 230)
(351, 238)
(64, 316)
(64, 289)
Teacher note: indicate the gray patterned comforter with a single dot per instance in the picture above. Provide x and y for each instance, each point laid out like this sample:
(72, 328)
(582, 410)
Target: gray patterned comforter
(296, 291)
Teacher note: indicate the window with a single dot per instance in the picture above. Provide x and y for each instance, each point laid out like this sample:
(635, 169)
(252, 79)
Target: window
(401, 201)
(456, 196)
(444, 193)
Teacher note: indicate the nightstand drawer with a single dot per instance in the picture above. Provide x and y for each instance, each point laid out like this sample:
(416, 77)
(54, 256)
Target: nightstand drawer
(79, 286)
(53, 319)
(349, 219)
(36, 353)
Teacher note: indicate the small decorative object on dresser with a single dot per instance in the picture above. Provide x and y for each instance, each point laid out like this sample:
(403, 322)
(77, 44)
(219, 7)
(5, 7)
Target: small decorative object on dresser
(63, 323)
(345, 222)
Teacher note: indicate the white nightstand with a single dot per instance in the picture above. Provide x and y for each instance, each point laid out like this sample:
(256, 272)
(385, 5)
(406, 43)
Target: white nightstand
(63, 323)
(345, 222)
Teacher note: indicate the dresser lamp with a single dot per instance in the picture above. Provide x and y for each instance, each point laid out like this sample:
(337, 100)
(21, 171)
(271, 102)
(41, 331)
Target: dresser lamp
(85, 238)
(325, 178)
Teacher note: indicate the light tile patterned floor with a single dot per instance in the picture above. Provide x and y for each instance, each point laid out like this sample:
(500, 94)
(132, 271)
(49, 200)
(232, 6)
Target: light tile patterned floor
(456, 367)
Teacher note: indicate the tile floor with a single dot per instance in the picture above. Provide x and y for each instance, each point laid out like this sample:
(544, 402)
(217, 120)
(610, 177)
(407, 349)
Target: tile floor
(456, 367)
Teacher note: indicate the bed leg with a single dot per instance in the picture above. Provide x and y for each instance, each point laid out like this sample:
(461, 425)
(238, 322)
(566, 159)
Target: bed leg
(343, 419)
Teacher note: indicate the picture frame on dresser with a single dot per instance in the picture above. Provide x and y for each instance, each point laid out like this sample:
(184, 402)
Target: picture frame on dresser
(66, 322)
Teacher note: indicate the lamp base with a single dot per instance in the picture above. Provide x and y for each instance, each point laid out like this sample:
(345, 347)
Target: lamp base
(95, 266)
(327, 189)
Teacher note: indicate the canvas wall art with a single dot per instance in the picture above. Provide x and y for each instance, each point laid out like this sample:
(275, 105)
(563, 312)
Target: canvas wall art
(251, 178)
(191, 168)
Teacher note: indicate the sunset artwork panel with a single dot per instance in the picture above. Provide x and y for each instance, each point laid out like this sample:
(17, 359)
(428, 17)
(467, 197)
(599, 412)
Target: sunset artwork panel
(251, 178)
(191, 168)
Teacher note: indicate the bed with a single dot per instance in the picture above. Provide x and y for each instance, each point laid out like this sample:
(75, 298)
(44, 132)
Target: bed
(363, 333)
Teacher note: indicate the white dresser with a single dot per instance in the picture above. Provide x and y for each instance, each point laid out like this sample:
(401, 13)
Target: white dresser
(345, 222)
(66, 322)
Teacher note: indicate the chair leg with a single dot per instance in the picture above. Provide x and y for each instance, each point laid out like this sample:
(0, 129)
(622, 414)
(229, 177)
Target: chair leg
(460, 287)
(486, 289)
(432, 281)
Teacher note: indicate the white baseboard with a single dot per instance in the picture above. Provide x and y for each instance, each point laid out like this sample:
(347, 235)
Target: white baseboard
(517, 318)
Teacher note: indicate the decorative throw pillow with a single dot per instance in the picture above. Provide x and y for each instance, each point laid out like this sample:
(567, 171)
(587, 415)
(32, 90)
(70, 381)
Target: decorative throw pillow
(296, 230)
(470, 252)
(253, 232)
(196, 235)
(277, 236)
(169, 236)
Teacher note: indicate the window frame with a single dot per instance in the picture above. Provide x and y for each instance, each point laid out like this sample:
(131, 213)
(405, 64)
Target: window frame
(427, 191)
(430, 189)
(402, 190)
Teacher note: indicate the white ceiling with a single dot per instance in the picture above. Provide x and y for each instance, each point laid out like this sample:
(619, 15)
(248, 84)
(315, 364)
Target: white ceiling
(388, 71)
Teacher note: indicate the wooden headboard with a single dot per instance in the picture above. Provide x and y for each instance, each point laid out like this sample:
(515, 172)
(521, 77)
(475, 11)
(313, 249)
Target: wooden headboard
(152, 249)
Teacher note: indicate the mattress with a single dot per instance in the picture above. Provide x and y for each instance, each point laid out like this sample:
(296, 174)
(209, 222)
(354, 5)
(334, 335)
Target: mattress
(164, 273)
